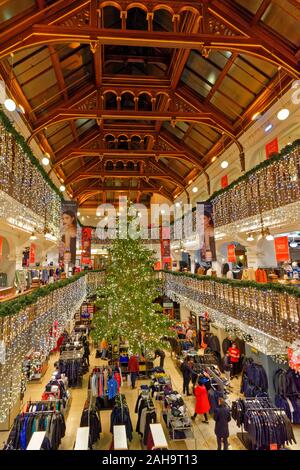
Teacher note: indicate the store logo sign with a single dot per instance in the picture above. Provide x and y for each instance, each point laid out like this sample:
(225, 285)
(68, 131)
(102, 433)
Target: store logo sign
(296, 93)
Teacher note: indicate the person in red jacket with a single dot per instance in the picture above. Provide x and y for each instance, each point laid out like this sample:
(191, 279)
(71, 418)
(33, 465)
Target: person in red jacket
(133, 368)
(234, 354)
(202, 403)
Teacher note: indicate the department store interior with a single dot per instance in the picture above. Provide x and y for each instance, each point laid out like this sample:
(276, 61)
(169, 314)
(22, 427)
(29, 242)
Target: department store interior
(185, 105)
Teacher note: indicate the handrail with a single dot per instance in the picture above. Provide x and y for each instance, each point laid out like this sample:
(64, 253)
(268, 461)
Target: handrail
(270, 308)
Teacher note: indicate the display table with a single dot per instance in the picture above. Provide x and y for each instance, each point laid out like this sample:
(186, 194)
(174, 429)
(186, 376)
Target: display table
(36, 440)
(82, 438)
(158, 436)
(120, 438)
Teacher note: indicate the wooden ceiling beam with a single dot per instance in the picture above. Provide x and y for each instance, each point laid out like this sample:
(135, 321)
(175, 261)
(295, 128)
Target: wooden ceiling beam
(121, 175)
(221, 77)
(261, 10)
(259, 42)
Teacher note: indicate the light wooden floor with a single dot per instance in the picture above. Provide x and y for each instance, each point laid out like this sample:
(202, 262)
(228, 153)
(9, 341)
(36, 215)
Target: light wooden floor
(204, 434)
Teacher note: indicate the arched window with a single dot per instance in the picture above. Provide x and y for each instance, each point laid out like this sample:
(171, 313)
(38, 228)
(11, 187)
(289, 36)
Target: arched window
(127, 101)
(144, 103)
(135, 142)
(119, 166)
(111, 17)
(162, 21)
(110, 101)
(109, 166)
(137, 19)
(109, 141)
(122, 142)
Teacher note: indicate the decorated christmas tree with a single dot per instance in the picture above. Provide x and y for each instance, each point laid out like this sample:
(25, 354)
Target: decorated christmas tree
(125, 303)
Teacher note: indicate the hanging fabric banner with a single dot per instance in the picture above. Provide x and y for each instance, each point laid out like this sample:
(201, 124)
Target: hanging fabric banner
(68, 230)
(32, 252)
(165, 248)
(231, 258)
(272, 147)
(224, 181)
(207, 235)
(86, 240)
(282, 248)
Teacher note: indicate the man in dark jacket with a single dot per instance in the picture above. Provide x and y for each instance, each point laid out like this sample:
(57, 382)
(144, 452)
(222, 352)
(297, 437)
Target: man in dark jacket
(187, 375)
(222, 418)
(161, 354)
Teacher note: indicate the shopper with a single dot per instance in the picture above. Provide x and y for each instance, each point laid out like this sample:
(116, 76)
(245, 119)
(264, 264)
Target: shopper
(86, 347)
(187, 375)
(161, 354)
(222, 418)
(227, 366)
(234, 354)
(133, 368)
(104, 348)
(202, 403)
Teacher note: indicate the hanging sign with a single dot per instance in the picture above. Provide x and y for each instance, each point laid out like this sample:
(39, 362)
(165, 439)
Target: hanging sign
(231, 258)
(282, 248)
(68, 229)
(224, 181)
(86, 239)
(1, 245)
(32, 253)
(207, 233)
(165, 248)
(272, 147)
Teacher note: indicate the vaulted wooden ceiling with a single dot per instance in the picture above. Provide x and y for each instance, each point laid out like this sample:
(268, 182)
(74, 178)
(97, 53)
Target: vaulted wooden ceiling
(137, 98)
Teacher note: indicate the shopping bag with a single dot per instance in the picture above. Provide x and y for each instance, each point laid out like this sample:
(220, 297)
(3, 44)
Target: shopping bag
(129, 380)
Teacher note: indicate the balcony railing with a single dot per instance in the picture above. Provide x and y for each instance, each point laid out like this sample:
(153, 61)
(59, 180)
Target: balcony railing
(34, 322)
(269, 308)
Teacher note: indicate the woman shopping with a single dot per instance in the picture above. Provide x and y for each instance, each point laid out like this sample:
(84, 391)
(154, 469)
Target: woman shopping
(202, 403)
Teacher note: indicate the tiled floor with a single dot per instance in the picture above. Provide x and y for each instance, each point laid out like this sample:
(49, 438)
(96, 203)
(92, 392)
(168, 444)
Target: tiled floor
(204, 434)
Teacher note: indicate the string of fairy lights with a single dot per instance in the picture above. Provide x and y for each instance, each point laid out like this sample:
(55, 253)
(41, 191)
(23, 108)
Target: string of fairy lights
(24, 183)
(268, 311)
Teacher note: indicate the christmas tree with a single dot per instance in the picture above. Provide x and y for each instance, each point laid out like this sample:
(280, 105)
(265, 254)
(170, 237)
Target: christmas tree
(125, 303)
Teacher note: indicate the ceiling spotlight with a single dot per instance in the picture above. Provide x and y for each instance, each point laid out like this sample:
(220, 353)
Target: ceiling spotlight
(268, 235)
(82, 218)
(255, 116)
(62, 188)
(119, 213)
(190, 181)
(162, 211)
(195, 189)
(224, 164)
(10, 105)
(213, 159)
(78, 213)
(268, 127)
(250, 237)
(21, 108)
(139, 214)
(283, 114)
(45, 161)
(178, 204)
(293, 244)
(33, 237)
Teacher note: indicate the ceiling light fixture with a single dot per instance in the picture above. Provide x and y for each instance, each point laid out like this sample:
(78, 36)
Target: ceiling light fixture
(268, 127)
(195, 189)
(33, 236)
(250, 237)
(293, 244)
(78, 213)
(62, 188)
(45, 161)
(21, 108)
(213, 159)
(224, 164)
(10, 105)
(284, 113)
(255, 116)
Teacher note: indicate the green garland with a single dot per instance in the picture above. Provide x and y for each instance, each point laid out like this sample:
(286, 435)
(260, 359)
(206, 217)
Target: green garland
(12, 307)
(278, 288)
(275, 157)
(28, 152)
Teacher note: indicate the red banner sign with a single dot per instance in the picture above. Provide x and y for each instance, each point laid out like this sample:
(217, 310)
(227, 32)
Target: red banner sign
(86, 239)
(272, 147)
(165, 248)
(32, 253)
(282, 248)
(231, 258)
(224, 181)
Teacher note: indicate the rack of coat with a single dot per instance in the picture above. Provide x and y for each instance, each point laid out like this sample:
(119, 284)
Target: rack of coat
(287, 390)
(90, 418)
(43, 405)
(265, 425)
(146, 414)
(254, 379)
(73, 367)
(120, 415)
(26, 424)
(106, 381)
